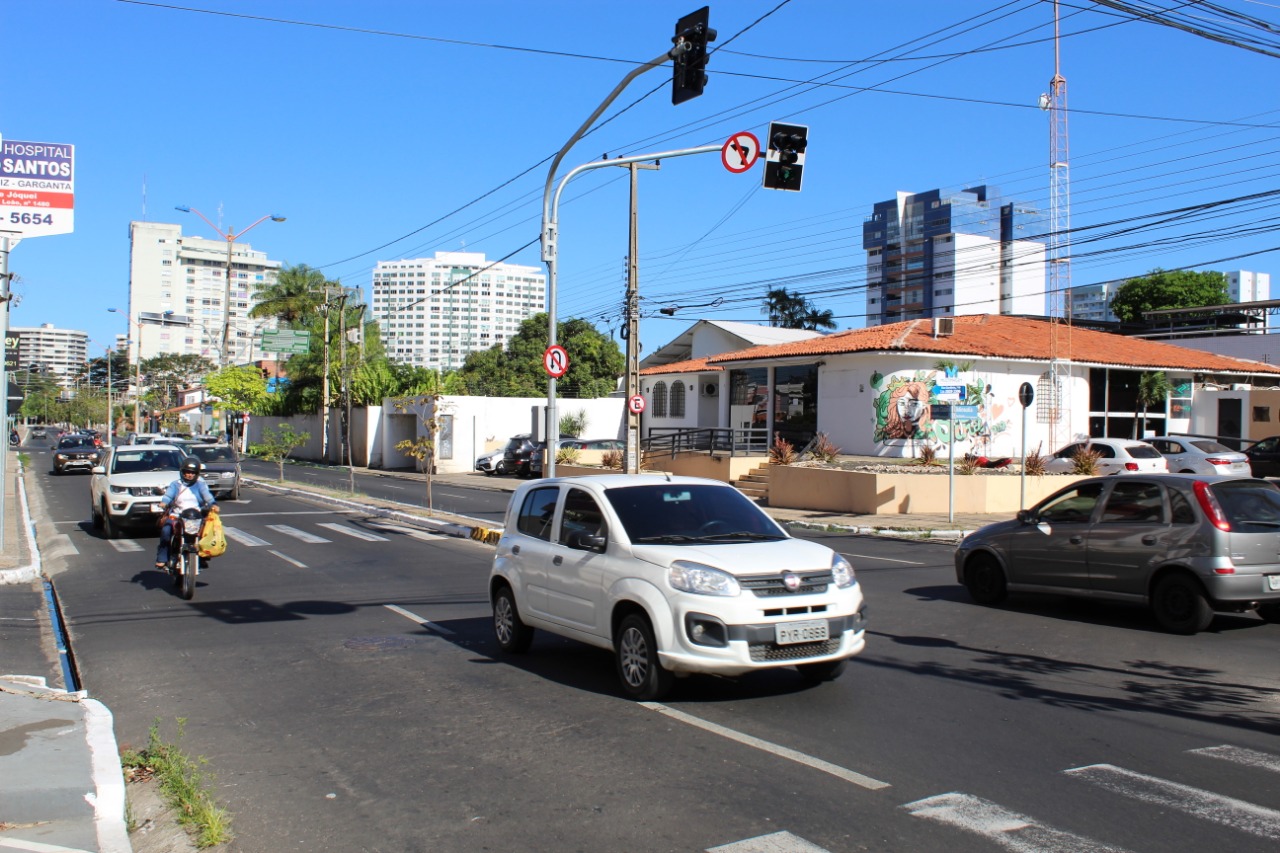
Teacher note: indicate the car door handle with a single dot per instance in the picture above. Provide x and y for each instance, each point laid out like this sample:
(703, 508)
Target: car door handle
(515, 549)
(1149, 539)
(1077, 540)
(557, 559)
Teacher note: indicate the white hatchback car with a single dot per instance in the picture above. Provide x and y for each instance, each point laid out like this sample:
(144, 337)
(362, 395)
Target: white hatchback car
(674, 575)
(1119, 456)
(1189, 455)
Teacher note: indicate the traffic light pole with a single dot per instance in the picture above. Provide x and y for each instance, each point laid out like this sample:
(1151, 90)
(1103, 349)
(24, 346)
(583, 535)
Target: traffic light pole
(632, 451)
(551, 217)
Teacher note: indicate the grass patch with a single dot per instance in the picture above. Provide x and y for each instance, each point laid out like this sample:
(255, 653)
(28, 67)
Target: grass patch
(24, 459)
(183, 783)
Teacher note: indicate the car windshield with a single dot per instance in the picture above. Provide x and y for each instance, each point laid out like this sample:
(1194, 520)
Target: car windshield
(689, 514)
(1252, 506)
(214, 454)
(1210, 446)
(134, 462)
(74, 443)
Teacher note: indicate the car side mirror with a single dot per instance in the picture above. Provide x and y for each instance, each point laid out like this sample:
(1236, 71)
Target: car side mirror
(587, 542)
(1026, 516)
(98, 469)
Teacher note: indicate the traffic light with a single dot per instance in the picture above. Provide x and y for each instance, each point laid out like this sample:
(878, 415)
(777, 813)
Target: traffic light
(784, 159)
(690, 55)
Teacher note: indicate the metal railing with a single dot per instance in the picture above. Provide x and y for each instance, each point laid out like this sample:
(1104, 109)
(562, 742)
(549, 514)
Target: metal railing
(663, 441)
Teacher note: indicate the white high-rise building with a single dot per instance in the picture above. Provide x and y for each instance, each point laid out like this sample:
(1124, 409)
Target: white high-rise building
(1093, 301)
(434, 312)
(177, 286)
(47, 349)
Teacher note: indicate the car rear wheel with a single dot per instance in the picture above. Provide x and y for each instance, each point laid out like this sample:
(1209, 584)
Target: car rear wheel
(512, 634)
(1180, 605)
(985, 580)
(1270, 612)
(828, 670)
(636, 651)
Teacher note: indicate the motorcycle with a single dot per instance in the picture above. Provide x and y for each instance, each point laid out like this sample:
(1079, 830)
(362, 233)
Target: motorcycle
(184, 556)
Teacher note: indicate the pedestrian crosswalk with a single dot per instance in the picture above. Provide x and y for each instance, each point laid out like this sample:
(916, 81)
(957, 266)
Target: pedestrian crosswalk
(1012, 830)
(364, 532)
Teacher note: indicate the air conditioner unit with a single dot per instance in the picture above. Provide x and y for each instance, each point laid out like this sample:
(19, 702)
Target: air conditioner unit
(1239, 387)
(710, 389)
(943, 326)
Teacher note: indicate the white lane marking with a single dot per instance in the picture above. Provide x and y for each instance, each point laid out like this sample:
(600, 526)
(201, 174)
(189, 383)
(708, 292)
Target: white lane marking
(288, 559)
(300, 535)
(397, 488)
(294, 512)
(1009, 829)
(773, 748)
(774, 842)
(235, 534)
(426, 623)
(354, 531)
(1228, 811)
(885, 559)
(414, 532)
(37, 846)
(125, 546)
(1240, 755)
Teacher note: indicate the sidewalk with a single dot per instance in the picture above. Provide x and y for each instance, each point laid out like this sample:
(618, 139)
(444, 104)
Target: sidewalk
(61, 787)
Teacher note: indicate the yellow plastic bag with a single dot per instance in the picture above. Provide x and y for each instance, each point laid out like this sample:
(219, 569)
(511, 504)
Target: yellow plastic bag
(212, 542)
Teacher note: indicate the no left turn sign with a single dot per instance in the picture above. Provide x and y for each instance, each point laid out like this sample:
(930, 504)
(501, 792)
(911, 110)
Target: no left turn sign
(741, 152)
(555, 361)
(635, 404)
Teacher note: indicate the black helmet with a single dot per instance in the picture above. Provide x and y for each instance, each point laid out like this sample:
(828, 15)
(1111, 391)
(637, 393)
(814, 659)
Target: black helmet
(191, 466)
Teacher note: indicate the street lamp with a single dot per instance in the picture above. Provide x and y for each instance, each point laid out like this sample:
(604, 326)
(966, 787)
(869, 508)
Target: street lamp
(230, 237)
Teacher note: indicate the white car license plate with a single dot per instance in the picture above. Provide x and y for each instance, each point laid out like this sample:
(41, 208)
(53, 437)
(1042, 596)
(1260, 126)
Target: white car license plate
(1237, 467)
(810, 631)
(1273, 582)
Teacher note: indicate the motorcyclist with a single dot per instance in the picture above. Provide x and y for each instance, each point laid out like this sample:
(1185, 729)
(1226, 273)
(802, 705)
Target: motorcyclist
(186, 492)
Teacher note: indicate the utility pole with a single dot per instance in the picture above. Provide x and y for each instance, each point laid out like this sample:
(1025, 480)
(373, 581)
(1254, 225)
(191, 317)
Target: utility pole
(5, 246)
(633, 319)
(324, 390)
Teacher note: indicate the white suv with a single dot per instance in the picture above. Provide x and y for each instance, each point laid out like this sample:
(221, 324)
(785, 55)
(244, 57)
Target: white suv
(126, 490)
(674, 575)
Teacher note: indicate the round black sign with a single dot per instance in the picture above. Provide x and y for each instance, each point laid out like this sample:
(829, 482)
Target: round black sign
(1026, 394)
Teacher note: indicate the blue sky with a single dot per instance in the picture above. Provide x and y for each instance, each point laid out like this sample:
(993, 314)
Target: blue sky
(392, 129)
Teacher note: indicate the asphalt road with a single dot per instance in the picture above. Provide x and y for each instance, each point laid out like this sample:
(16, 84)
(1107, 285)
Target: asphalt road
(340, 676)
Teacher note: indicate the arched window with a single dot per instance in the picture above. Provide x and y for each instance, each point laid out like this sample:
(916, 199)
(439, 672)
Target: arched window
(677, 399)
(659, 399)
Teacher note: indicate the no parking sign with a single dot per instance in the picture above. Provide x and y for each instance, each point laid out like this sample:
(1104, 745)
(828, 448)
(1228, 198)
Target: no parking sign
(635, 404)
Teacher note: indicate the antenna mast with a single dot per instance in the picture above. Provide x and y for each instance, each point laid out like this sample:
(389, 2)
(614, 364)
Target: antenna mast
(1059, 297)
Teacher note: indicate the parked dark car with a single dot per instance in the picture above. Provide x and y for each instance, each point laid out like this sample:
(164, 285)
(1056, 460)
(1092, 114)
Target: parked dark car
(518, 450)
(1184, 545)
(1264, 457)
(220, 468)
(76, 451)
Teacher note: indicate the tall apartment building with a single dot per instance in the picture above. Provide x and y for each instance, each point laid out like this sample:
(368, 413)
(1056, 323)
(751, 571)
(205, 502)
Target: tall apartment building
(936, 254)
(1093, 301)
(48, 349)
(177, 286)
(434, 312)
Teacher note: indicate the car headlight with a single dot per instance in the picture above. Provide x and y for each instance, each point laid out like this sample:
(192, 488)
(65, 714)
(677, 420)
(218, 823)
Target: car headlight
(702, 580)
(842, 572)
(61, 457)
(119, 490)
(93, 457)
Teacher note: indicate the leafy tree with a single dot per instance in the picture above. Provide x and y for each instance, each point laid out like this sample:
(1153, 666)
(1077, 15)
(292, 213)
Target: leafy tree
(789, 310)
(1153, 389)
(238, 389)
(294, 296)
(595, 362)
(169, 373)
(422, 448)
(277, 443)
(1160, 289)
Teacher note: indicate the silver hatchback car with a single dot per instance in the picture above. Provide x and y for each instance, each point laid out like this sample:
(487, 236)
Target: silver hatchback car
(1182, 544)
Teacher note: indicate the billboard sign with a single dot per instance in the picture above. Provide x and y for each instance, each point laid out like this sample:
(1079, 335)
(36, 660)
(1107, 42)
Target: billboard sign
(286, 341)
(37, 188)
(12, 342)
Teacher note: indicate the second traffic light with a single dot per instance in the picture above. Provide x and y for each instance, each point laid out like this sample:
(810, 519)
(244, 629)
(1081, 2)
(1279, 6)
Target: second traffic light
(689, 56)
(784, 157)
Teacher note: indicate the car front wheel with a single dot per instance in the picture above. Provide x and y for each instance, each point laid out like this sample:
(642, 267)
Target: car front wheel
(984, 579)
(636, 651)
(512, 634)
(1180, 605)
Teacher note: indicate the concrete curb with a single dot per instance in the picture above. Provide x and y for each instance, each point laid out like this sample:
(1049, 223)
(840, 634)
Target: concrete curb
(896, 532)
(109, 799)
(32, 571)
(475, 531)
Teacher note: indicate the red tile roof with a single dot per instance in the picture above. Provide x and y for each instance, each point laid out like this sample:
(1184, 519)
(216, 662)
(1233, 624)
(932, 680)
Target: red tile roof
(997, 336)
(693, 365)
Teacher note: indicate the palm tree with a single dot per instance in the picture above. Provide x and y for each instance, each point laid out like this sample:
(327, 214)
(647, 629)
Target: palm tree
(295, 294)
(1153, 389)
(790, 310)
(816, 321)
